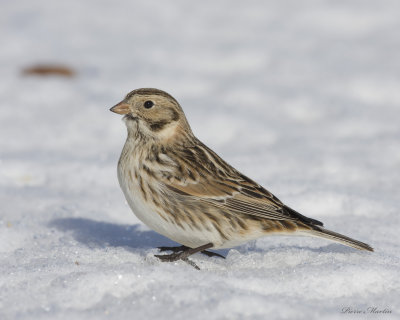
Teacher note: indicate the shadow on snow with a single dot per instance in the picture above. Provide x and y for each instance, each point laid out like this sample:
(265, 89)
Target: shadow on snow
(97, 234)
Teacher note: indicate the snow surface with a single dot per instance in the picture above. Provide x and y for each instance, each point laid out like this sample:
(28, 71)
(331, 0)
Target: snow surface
(302, 96)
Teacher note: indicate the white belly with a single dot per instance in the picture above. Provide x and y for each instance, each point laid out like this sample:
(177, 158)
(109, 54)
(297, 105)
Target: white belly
(147, 213)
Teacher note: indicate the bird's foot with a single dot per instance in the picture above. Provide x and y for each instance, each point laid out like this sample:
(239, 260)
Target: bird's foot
(183, 248)
(173, 249)
(175, 257)
(183, 252)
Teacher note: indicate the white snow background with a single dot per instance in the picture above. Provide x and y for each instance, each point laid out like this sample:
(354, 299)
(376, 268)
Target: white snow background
(301, 96)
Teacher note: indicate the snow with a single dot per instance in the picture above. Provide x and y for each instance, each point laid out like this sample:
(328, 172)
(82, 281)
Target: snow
(303, 97)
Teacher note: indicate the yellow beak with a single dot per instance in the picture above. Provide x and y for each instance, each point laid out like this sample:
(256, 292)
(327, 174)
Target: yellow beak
(121, 108)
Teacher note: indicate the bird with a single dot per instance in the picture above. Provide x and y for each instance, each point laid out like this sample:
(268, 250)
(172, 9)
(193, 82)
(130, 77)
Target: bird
(183, 190)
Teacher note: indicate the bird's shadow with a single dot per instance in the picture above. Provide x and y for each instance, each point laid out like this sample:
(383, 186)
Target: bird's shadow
(98, 234)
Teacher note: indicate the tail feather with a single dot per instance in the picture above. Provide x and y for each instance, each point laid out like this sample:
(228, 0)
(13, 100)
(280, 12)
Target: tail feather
(334, 236)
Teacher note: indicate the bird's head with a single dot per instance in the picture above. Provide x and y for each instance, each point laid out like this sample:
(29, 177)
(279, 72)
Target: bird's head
(154, 114)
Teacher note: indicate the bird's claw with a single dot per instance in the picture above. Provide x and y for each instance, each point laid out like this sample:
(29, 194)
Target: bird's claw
(175, 257)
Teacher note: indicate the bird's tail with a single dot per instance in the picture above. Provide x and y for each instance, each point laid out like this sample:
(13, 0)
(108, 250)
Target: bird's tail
(318, 231)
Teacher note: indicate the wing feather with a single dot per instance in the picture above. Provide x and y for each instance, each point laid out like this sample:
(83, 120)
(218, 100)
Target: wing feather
(214, 182)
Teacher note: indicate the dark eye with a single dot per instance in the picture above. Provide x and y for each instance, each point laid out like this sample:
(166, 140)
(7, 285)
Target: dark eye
(148, 104)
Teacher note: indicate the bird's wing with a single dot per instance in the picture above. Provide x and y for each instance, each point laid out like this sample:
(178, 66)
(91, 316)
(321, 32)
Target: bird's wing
(203, 176)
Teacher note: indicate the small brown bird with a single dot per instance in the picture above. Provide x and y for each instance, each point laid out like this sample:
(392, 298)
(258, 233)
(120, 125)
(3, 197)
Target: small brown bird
(183, 190)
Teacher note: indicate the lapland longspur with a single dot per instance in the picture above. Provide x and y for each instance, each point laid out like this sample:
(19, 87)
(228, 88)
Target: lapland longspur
(183, 190)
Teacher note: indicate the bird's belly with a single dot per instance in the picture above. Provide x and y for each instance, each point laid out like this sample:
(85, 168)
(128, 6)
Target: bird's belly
(146, 211)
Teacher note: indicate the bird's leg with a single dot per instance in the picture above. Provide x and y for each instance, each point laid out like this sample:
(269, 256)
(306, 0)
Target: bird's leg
(183, 248)
(173, 249)
(184, 254)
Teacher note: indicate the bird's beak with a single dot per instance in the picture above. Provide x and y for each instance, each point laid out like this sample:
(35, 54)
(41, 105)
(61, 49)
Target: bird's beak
(121, 108)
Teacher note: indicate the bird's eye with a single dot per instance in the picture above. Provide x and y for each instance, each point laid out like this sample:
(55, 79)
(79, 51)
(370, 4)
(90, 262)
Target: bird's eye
(148, 104)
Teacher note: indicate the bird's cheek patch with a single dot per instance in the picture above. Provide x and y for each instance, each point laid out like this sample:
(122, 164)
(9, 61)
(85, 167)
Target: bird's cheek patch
(158, 125)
